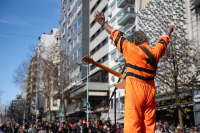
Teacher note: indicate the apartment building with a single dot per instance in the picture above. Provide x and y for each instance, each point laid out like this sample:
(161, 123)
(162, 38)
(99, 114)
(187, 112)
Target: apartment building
(75, 41)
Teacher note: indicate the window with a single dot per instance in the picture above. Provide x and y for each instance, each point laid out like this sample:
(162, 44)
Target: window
(75, 41)
(80, 6)
(80, 21)
(113, 23)
(68, 35)
(96, 34)
(80, 52)
(71, 46)
(105, 9)
(80, 36)
(93, 22)
(75, 27)
(105, 41)
(68, 22)
(75, 55)
(67, 51)
(113, 7)
(105, 58)
(98, 47)
(95, 6)
(71, 60)
(72, 32)
(113, 55)
(55, 103)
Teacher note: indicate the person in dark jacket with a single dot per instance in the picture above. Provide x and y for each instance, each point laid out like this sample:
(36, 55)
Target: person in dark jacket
(9, 129)
(15, 128)
(109, 127)
(47, 126)
(96, 128)
(80, 127)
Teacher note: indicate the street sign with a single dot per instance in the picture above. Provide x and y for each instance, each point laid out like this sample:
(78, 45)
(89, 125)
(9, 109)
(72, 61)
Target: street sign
(89, 111)
(60, 111)
(48, 117)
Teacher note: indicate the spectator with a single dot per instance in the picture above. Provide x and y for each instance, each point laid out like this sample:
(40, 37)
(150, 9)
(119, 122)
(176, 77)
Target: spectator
(85, 122)
(72, 125)
(90, 126)
(59, 130)
(39, 124)
(42, 130)
(19, 129)
(159, 124)
(89, 130)
(68, 129)
(9, 129)
(166, 129)
(176, 131)
(166, 124)
(110, 128)
(30, 128)
(158, 129)
(33, 130)
(119, 129)
(191, 130)
(185, 127)
(181, 130)
(1, 128)
(162, 130)
(187, 130)
(100, 125)
(195, 129)
(51, 131)
(96, 128)
(47, 126)
(15, 128)
(171, 129)
(80, 127)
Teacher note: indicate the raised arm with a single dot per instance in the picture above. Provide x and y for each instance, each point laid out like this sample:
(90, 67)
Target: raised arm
(101, 20)
(163, 42)
(122, 44)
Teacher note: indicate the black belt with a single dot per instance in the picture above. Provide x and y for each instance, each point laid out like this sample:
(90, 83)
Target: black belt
(141, 68)
(139, 76)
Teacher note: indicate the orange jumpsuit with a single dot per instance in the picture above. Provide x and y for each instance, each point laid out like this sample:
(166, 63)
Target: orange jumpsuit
(140, 106)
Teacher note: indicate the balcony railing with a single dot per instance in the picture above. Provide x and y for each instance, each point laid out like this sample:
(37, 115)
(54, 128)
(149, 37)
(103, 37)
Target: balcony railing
(76, 107)
(126, 14)
(123, 3)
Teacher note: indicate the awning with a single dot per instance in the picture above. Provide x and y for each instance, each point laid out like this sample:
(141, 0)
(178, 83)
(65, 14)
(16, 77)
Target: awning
(101, 111)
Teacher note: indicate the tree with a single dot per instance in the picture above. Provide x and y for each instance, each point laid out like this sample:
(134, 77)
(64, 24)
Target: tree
(178, 71)
(16, 110)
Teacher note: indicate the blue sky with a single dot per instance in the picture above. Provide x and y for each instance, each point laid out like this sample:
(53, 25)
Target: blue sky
(22, 17)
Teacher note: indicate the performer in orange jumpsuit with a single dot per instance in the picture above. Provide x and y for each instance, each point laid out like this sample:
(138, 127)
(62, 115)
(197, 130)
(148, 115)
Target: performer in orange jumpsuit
(140, 106)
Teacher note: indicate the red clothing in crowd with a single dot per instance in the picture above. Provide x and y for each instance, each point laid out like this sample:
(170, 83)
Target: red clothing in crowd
(119, 129)
(72, 126)
(100, 127)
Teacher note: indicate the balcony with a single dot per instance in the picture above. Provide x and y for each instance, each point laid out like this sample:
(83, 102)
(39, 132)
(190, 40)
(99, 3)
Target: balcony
(126, 14)
(76, 107)
(128, 30)
(123, 3)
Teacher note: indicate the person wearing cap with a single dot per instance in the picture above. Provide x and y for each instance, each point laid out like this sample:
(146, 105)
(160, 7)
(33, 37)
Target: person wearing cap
(109, 126)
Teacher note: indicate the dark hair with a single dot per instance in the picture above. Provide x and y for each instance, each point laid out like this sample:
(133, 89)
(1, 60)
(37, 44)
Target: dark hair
(80, 119)
(138, 38)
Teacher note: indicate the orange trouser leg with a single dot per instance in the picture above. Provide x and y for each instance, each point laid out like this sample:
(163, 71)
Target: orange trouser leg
(139, 107)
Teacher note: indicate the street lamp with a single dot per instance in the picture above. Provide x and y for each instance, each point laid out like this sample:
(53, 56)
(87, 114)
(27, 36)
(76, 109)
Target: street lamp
(88, 111)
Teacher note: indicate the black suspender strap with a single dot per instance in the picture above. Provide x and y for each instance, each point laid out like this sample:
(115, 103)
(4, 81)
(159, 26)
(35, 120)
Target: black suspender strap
(150, 56)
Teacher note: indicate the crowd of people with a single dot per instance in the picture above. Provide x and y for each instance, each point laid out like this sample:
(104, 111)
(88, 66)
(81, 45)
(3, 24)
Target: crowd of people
(166, 128)
(82, 126)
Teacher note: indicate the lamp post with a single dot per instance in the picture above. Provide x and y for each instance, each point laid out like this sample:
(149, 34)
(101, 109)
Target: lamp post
(88, 111)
